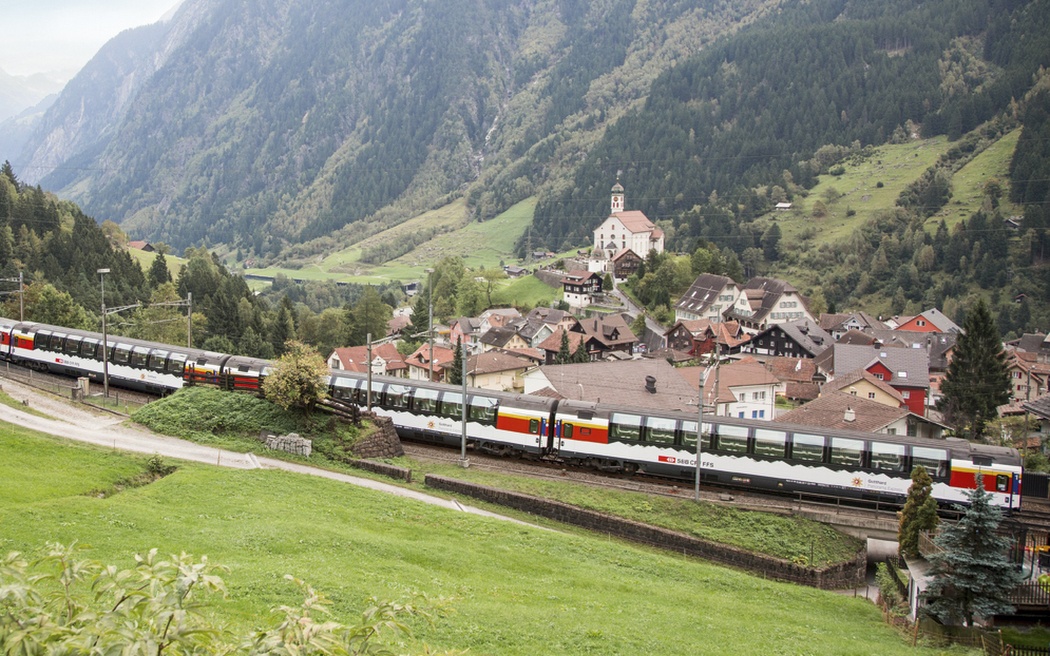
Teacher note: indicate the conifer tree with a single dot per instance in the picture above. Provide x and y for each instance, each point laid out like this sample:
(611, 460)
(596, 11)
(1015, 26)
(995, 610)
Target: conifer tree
(972, 575)
(455, 372)
(919, 514)
(977, 380)
(564, 354)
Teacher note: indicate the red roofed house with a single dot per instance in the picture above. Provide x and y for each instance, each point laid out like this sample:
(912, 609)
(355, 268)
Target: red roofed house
(386, 361)
(419, 362)
(626, 229)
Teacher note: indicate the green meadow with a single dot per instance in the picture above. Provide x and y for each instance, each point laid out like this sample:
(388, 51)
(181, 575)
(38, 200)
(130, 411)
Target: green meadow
(514, 589)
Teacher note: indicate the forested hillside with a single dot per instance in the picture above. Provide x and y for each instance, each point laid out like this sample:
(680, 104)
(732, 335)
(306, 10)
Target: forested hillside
(272, 123)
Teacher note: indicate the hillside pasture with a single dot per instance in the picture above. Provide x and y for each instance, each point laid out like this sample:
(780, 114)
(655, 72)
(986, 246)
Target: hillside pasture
(514, 589)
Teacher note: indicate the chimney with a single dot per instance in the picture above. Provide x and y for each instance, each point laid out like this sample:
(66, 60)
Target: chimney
(650, 384)
(851, 416)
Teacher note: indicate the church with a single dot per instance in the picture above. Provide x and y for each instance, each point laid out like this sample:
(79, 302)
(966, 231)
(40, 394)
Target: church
(625, 230)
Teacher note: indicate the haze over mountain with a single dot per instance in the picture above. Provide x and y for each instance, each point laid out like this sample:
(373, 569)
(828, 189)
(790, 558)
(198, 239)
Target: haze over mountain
(275, 122)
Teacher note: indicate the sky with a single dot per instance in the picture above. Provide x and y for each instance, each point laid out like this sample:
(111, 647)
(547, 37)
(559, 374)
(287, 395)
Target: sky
(42, 36)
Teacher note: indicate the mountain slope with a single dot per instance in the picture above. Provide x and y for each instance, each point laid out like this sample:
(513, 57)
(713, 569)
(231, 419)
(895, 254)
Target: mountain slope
(276, 122)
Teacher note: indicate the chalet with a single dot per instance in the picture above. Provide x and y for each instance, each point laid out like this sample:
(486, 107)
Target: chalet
(515, 271)
(398, 324)
(625, 263)
(709, 297)
(906, 370)
(580, 287)
(782, 206)
(930, 321)
(835, 410)
(1037, 345)
(1028, 380)
(540, 323)
(502, 338)
(142, 246)
(652, 384)
(702, 336)
(800, 376)
(626, 229)
(464, 330)
(862, 384)
(419, 363)
(607, 335)
(386, 360)
(840, 324)
(551, 347)
(743, 389)
(802, 338)
(496, 370)
(767, 301)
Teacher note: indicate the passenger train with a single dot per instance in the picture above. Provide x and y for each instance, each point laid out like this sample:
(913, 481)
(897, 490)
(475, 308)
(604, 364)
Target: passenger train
(752, 454)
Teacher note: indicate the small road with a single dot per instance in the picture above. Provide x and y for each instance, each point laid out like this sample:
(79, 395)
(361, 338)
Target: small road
(76, 422)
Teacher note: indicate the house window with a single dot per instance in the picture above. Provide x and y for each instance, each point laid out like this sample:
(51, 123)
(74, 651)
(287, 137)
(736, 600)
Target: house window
(760, 396)
(879, 376)
(906, 394)
(871, 395)
(920, 322)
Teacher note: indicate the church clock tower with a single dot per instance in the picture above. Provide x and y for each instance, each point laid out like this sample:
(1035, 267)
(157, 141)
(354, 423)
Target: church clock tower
(617, 198)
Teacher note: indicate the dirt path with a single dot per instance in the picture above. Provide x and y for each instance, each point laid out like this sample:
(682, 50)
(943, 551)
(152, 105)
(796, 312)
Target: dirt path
(83, 424)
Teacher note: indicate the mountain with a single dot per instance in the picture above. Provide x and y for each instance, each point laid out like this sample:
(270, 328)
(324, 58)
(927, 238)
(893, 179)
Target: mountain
(277, 122)
(20, 93)
(315, 123)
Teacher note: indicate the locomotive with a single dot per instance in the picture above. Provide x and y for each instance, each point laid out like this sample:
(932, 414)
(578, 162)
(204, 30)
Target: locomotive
(751, 454)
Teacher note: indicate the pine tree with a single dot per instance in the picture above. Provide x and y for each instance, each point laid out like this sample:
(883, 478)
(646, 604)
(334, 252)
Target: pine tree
(972, 575)
(919, 514)
(564, 354)
(158, 272)
(455, 372)
(977, 380)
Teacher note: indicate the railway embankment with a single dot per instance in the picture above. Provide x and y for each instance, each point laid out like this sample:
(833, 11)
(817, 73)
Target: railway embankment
(843, 575)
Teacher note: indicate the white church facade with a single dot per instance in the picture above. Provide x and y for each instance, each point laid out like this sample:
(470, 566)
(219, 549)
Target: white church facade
(625, 230)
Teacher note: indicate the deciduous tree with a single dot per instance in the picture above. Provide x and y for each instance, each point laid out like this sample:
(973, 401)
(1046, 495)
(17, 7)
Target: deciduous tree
(297, 379)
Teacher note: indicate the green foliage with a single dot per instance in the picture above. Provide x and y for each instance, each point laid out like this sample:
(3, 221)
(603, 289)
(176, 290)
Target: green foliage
(888, 592)
(919, 513)
(209, 412)
(63, 603)
(298, 379)
(972, 574)
(977, 381)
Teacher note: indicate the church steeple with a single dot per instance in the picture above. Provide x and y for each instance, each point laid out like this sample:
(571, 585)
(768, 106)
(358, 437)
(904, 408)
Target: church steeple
(617, 197)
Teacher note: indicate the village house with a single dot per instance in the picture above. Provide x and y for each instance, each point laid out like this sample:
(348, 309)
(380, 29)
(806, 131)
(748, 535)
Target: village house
(709, 297)
(838, 411)
(625, 264)
(702, 336)
(651, 384)
(503, 338)
(907, 370)
(1028, 380)
(625, 229)
(743, 389)
(580, 287)
(802, 338)
(865, 385)
(841, 323)
(419, 362)
(1035, 346)
(930, 321)
(465, 330)
(496, 370)
(767, 301)
(540, 323)
(386, 360)
(800, 376)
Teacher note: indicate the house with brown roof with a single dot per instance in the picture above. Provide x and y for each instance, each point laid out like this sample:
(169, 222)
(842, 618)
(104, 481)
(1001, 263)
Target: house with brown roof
(767, 301)
(386, 360)
(652, 384)
(626, 229)
(580, 287)
(930, 321)
(800, 376)
(865, 385)
(142, 245)
(838, 411)
(502, 338)
(540, 323)
(906, 370)
(419, 363)
(841, 323)
(701, 336)
(709, 297)
(1028, 380)
(625, 264)
(551, 346)
(1037, 345)
(743, 389)
(497, 370)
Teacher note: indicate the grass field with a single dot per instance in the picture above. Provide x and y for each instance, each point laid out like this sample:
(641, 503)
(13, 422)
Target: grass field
(515, 589)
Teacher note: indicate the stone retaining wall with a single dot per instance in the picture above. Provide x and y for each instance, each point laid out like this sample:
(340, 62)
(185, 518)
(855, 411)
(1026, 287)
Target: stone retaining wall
(290, 443)
(382, 443)
(834, 577)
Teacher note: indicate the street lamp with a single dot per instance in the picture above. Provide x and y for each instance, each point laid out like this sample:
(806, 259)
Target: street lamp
(430, 322)
(105, 337)
(463, 462)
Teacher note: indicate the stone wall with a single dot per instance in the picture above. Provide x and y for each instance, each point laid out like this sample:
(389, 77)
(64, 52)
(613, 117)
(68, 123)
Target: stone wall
(290, 443)
(834, 577)
(383, 442)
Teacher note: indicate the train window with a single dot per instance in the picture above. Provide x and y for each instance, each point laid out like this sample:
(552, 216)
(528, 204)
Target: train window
(887, 457)
(397, 397)
(451, 405)
(139, 354)
(89, 348)
(176, 363)
(1002, 483)
(625, 427)
(73, 345)
(732, 439)
(425, 401)
(935, 461)
(482, 409)
(846, 452)
(809, 448)
(566, 431)
(689, 436)
(58, 342)
(534, 426)
(121, 354)
(659, 430)
(983, 461)
(771, 444)
(157, 361)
